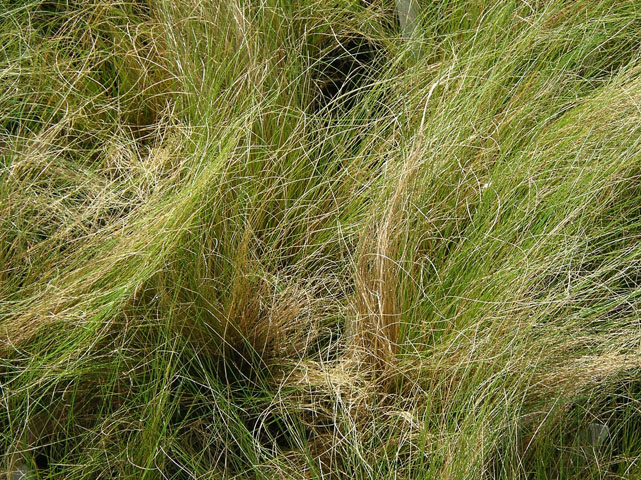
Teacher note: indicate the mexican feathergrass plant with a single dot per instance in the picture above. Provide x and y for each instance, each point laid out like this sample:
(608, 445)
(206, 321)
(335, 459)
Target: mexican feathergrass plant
(281, 239)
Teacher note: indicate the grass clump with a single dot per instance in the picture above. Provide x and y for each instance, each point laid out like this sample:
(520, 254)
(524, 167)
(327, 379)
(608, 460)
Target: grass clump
(288, 240)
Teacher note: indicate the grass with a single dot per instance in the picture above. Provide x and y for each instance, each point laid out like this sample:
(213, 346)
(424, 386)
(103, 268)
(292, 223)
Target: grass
(281, 239)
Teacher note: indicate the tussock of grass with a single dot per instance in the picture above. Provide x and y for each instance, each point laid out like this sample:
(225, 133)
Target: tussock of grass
(286, 240)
